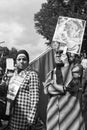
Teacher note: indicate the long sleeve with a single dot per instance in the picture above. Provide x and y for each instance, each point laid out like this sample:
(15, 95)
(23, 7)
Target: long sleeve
(51, 86)
(34, 96)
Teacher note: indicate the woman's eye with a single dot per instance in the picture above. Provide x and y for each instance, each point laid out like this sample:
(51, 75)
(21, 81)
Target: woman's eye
(24, 59)
(18, 59)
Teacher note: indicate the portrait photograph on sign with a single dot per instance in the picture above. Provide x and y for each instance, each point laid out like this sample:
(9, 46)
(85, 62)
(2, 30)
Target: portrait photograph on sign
(70, 32)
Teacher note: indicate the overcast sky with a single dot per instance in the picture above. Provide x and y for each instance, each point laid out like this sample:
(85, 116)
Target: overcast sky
(17, 26)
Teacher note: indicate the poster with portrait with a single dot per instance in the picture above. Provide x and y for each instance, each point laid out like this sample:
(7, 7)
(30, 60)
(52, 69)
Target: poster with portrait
(70, 32)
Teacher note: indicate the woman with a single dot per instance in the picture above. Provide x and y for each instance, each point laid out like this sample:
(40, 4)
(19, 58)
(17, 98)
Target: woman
(63, 109)
(23, 94)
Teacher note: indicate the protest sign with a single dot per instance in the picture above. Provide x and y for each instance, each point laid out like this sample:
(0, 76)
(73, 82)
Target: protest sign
(9, 64)
(70, 32)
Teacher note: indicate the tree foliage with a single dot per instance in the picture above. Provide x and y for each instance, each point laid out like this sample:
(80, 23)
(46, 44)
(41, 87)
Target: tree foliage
(12, 53)
(46, 18)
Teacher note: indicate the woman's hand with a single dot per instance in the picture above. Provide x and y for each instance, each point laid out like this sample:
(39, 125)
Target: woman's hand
(55, 88)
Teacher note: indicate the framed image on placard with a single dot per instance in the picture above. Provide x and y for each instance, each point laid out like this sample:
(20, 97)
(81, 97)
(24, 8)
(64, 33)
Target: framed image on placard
(70, 32)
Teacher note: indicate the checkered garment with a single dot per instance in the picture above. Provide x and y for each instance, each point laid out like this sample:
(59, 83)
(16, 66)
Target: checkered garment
(26, 102)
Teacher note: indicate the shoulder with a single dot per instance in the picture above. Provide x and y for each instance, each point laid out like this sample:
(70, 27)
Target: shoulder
(32, 73)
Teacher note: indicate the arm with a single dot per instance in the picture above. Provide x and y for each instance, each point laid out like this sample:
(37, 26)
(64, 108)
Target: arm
(34, 97)
(53, 88)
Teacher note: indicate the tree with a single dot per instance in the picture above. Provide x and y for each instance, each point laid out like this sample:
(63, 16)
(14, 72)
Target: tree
(46, 18)
(5, 51)
(12, 53)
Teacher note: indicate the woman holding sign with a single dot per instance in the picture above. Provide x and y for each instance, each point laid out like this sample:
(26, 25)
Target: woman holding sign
(23, 94)
(63, 87)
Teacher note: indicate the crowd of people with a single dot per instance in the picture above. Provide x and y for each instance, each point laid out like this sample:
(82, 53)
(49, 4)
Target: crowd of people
(64, 86)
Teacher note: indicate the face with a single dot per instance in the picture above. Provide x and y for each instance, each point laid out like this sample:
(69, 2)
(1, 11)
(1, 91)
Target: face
(77, 71)
(21, 61)
(58, 51)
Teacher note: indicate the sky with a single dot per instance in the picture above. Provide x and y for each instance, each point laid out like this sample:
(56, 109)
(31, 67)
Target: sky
(17, 26)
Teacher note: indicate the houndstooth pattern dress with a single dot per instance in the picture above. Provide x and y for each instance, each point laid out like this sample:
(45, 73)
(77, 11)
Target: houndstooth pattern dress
(64, 111)
(26, 102)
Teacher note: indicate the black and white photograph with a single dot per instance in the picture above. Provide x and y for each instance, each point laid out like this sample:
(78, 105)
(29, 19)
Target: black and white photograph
(43, 64)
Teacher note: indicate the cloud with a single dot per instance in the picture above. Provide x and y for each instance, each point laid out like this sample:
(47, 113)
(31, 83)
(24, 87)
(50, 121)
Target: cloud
(10, 32)
(17, 25)
(35, 49)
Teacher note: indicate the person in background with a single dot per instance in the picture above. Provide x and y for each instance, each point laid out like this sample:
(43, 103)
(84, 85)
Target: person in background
(1, 73)
(23, 94)
(84, 84)
(1, 94)
(62, 87)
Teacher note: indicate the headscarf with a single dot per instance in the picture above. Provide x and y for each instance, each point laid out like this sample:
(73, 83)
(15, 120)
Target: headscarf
(23, 52)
